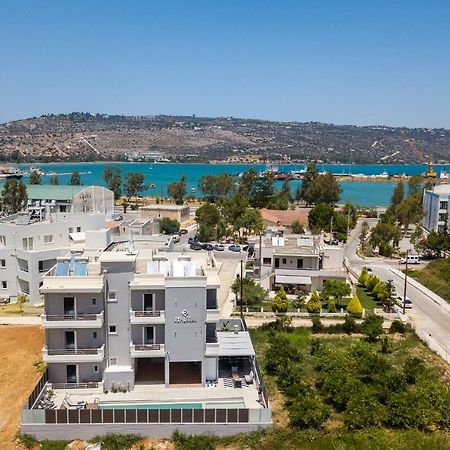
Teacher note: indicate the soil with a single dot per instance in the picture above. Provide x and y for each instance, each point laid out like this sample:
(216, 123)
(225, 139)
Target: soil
(20, 348)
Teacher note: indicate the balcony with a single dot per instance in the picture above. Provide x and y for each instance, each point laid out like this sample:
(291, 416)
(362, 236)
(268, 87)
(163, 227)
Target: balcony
(73, 355)
(147, 350)
(147, 318)
(72, 321)
(212, 315)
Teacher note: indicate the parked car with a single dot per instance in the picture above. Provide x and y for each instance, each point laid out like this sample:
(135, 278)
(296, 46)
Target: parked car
(410, 259)
(207, 246)
(183, 231)
(191, 240)
(234, 248)
(408, 302)
(219, 247)
(195, 246)
(117, 217)
(175, 238)
(369, 270)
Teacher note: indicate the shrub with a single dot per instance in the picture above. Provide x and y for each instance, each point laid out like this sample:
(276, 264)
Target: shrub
(315, 345)
(363, 277)
(372, 327)
(317, 326)
(283, 323)
(297, 227)
(113, 441)
(387, 345)
(397, 326)
(168, 226)
(27, 441)
(188, 442)
(354, 306)
(299, 302)
(349, 326)
(413, 369)
(280, 302)
(372, 281)
(281, 350)
(314, 305)
(331, 305)
(364, 410)
(336, 289)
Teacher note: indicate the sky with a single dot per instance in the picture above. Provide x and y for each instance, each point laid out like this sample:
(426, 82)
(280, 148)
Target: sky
(356, 62)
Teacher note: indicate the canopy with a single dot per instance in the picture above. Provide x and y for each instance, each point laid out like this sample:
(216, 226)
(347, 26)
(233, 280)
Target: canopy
(291, 279)
(235, 344)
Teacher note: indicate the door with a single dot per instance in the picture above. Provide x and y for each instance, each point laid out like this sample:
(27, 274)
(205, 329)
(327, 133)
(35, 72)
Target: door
(277, 263)
(148, 302)
(69, 306)
(71, 373)
(70, 343)
(149, 335)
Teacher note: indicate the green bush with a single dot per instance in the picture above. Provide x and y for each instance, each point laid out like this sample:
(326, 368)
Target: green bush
(280, 351)
(387, 345)
(397, 326)
(53, 445)
(363, 277)
(168, 226)
(187, 442)
(413, 369)
(27, 441)
(113, 441)
(331, 305)
(314, 305)
(280, 302)
(349, 325)
(363, 410)
(317, 326)
(354, 306)
(372, 327)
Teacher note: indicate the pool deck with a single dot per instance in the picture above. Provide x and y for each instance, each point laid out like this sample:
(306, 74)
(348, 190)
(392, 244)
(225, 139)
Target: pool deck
(158, 393)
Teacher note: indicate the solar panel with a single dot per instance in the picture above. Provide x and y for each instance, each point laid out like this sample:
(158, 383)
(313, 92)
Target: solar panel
(80, 269)
(62, 269)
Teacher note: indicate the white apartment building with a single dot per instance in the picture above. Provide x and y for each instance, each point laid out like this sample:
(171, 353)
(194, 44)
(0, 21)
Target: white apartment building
(134, 332)
(298, 262)
(436, 208)
(30, 247)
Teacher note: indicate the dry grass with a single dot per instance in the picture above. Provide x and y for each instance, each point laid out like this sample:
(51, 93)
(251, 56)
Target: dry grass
(20, 348)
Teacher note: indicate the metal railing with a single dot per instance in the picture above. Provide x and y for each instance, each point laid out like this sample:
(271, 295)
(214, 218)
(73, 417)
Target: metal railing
(90, 385)
(57, 317)
(73, 351)
(146, 313)
(145, 347)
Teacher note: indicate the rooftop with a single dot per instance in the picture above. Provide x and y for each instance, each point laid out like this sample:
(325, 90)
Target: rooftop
(166, 207)
(282, 217)
(443, 189)
(53, 192)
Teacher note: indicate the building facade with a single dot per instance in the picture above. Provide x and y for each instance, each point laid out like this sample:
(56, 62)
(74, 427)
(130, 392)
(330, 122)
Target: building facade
(436, 208)
(181, 213)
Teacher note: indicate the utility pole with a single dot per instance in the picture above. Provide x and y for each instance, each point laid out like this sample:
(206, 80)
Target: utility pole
(331, 231)
(406, 282)
(242, 297)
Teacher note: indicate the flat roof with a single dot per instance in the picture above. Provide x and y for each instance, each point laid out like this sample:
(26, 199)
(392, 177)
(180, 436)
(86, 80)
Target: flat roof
(167, 207)
(442, 189)
(52, 192)
(235, 344)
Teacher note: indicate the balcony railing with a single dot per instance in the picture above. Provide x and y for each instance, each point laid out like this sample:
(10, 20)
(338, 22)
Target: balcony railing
(72, 320)
(145, 347)
(146, 350)
(73, 355)
(147, 313)
(147, 317)
(72, 351)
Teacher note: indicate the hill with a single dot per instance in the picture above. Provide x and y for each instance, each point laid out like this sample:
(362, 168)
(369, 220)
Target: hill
(84, 136)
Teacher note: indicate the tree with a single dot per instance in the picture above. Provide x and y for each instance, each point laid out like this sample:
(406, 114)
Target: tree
(398, 194)
(409, 211)
(385, 236)
(436, 243)
(363, 277)
(262, 192)
(336, 289)
(324, 189)
(217, 187)
(297, 227)
(75, 179)
(247, 182)
(308, 178)
(207, 217)
(251, 221)
(417, 238)
(14, 197)
(252, 293)
(54, 180)
(134, 185)
(35, 177)
(314, 305)
(354, 306)
(388, 300)
(415, 186)
(21, 300)
(233, 209)
(319, 218)
(169, 226)
(280, 302)
(364, 233)
(372, 327)
(350, 212)
(113, 179)
(177, 190)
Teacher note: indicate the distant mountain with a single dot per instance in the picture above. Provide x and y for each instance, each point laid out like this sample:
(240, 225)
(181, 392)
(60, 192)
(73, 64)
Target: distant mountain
(84, 136)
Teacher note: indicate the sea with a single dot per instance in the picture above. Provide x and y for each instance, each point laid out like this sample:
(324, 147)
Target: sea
(159, 175)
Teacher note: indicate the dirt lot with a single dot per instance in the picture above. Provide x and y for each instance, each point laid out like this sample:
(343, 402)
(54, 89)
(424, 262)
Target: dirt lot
(20, 348)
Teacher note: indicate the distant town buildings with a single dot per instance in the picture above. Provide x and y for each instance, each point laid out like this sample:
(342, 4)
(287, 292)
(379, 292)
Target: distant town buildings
(436, 208)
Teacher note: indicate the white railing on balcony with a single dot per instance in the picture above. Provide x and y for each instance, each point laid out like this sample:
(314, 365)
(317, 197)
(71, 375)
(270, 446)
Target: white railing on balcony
(73, 354)
(147, 317)
(72, 320)
(146, 350)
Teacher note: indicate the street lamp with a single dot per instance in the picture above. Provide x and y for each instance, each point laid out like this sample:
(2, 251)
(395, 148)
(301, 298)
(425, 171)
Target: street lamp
(406, 282)
(241, 288)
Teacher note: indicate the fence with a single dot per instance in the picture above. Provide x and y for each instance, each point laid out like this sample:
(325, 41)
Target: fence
(37, 391)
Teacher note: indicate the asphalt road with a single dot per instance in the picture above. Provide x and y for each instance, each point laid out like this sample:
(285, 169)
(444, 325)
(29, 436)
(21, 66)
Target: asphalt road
(430, 318)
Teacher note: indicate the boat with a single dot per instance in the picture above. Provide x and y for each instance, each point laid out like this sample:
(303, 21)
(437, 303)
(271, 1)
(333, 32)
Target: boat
(7, 172)
(152, 186)
(444, 175)
(193, 189)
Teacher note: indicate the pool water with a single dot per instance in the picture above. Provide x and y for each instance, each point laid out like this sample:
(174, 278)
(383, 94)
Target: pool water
(152, 406)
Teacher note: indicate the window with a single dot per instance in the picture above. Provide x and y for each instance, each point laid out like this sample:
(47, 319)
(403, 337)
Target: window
(267, 261)
(4, 285)
(95, 369)
(78, 229)
(2, 263)
(94, 301)
(112, 296)
(113, 361)
(299, 263)
(70, 230)
(443, 205)
(112, 329)
(48, 239)
(442, 217)
(94, 335)
(284, 260)
(3, 240)
(27, 243)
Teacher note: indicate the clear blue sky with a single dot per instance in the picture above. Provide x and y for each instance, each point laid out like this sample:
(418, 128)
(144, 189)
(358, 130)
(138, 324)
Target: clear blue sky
(346, 62)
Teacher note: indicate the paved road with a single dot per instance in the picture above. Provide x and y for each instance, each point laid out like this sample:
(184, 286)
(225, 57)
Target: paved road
(430, 318)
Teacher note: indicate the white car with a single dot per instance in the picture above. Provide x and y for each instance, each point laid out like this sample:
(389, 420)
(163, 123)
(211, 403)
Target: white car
(410, 259)
(408, 302)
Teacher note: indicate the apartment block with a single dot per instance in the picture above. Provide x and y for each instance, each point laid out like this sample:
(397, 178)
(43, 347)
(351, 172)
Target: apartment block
(436, 208)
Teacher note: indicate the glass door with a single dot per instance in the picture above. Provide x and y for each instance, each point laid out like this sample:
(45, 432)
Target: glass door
(148, 302)
(69, 340)
(71, 373)
(149, 335)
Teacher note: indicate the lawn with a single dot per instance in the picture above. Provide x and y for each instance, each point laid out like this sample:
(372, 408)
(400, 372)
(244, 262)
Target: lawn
(367, 301)
(435, 276)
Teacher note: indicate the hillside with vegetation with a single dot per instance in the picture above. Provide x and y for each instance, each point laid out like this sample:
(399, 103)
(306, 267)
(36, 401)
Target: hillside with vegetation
(84, 136)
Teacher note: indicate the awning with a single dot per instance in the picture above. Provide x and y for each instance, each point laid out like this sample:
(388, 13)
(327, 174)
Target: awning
(78, 237)
(232, 344)
(291, 279)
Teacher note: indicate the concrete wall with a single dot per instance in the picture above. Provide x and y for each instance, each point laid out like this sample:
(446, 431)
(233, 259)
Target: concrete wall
(137, 299)
(54, 304)
(84, 338)
(137, 333)
(85, 371)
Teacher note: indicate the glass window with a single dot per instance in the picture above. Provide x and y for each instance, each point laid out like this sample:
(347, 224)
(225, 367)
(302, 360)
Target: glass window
(2, 263)
(112, 329)
(4, 285)
(112, 296)
(48, 239)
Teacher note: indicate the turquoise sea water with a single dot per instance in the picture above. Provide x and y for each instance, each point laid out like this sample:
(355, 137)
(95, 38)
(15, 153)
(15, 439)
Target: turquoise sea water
(152, 406)
(161, 175)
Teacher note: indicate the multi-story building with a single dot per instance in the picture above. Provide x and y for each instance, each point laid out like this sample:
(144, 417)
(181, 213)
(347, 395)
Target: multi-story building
(298, 262)
(436, 208)
(145, 322)
(30, 247)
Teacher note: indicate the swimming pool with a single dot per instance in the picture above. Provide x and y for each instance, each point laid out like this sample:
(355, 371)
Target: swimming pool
(151, 406)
